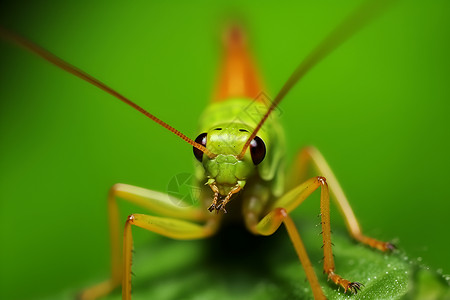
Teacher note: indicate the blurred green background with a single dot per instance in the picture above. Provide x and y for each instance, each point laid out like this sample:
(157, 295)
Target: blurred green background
(378, 109)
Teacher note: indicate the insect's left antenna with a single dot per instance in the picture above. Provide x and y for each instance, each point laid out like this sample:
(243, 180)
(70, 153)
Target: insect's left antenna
(48, 56)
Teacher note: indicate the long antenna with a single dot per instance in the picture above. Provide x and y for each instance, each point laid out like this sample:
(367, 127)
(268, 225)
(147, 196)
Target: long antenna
(41, 52)
(348, 27)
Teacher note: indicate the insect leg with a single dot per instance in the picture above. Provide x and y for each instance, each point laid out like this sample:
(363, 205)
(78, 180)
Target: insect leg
(311, 155)
(279, 213)
(270, 223)
(154, 201)
(173, 228)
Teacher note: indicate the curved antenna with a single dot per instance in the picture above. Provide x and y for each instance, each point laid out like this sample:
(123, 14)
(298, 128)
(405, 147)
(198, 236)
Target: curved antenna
(348, 27)
(48, 56)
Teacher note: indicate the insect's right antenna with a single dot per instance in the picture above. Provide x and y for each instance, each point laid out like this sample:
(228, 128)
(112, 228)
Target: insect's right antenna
(34, 48)
(349, 26)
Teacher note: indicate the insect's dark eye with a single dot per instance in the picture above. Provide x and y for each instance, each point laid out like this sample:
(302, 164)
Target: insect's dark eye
(257, 150)
(201, 139)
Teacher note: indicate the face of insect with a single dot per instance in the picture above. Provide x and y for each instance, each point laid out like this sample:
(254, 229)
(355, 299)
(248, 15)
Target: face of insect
(225, 170)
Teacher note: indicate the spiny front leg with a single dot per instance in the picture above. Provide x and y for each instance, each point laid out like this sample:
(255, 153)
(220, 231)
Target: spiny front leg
(311, 156)
(150, 200)
(289, 202)
(328, 266)
(169, 227)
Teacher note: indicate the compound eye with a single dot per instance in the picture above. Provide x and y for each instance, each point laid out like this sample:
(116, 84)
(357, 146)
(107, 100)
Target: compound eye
(201, 139)
(257, 150)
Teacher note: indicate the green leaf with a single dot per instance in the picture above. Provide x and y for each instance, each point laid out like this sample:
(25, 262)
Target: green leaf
(236, 265)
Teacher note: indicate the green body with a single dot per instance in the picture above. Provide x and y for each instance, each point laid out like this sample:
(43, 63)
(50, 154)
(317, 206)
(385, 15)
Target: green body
(228, 125)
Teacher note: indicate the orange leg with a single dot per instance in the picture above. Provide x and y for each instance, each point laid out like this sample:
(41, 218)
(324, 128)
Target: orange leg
(173, 228)
(279, 214)
(157, 202)
(311, 155)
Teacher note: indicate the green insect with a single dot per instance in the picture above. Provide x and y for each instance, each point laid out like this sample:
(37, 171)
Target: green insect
(240, 166)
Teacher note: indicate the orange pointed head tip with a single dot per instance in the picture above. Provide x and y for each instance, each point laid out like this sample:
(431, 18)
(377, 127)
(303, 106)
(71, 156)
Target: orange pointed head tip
(234, 35)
